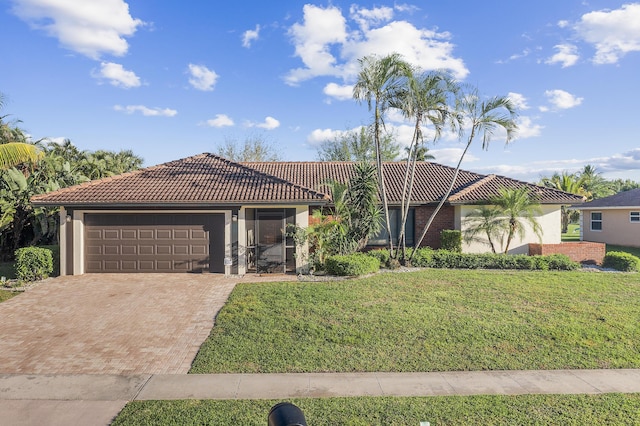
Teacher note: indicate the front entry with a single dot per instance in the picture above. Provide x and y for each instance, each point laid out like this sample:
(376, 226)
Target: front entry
(270, 245)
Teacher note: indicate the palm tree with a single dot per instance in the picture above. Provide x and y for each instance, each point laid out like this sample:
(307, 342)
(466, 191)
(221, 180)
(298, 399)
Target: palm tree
(566, 182)
(520, 210)
(14, 149)
(483, 118)
(485, 220)
(380, 82)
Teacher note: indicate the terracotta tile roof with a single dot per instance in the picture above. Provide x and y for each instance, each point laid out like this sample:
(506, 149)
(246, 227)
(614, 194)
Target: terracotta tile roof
(629, 198)
(431, 181)
(207, 179)
(201, 179)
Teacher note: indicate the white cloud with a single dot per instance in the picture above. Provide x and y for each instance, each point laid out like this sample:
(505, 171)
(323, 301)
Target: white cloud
(318, 136)
(220, 120)
(567, 55)
(328, 46)
(563, 23)
(527, 128)
(269, 123)
(249, 36)
(117, 75)
(561, 99)
(613, 33)
(451, 156)
(92, 28)
(202, 78)
(148, 112)
(340, 92)
(518, 100)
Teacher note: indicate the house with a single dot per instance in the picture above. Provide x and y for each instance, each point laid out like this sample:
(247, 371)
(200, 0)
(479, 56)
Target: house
(207, 214)
(612, 220)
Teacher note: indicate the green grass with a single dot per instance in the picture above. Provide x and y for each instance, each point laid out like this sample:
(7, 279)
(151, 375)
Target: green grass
(6, 295)
(631, 250)
(609, 409)
(572, 234)
(432, 320)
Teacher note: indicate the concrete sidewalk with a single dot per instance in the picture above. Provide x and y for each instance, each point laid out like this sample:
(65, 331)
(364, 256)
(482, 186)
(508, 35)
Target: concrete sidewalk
(96, 399)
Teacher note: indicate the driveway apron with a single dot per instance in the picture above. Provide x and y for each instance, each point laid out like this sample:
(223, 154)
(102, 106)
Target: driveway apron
(111, 323)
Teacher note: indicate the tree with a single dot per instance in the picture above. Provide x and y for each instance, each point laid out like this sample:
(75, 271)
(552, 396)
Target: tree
(566, 182)
(254, 148)
(483, 117)
(421, 154)
(520, 210)
(14, 146)
(595, 186)
(379, 83)
(358, 145)
(484, 220)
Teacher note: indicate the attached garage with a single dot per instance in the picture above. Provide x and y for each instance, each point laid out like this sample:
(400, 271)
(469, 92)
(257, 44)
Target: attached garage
(154, 242)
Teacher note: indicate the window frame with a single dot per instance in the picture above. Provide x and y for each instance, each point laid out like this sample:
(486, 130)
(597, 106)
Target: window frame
(592, 221)
(634, 217)
(395, 226)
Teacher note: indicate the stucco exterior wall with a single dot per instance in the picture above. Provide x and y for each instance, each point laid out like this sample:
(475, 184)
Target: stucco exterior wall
(616, 227)
(549, 221)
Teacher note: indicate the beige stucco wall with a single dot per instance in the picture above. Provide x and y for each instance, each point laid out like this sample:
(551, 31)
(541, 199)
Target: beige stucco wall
(549, 221)
(616, 227)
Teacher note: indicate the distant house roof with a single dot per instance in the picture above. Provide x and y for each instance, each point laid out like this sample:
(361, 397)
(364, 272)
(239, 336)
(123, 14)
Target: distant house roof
(628, 199)
(207, 179)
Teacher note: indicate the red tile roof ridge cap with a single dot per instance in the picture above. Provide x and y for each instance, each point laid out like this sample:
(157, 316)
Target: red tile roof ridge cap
(245, 166)
(478, 183)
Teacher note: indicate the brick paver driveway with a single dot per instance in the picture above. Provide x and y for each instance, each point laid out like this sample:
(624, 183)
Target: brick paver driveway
(111, 323)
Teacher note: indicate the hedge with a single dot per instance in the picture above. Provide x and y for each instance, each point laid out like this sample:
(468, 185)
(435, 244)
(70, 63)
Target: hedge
(621, 261)
(352, 264)
(33, 263)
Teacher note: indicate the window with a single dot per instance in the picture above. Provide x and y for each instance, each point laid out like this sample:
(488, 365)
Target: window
(634, 217)
(395, 219)
(596, 221)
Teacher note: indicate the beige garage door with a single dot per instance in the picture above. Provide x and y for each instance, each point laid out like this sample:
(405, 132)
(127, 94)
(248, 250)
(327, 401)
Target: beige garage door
(161, 242)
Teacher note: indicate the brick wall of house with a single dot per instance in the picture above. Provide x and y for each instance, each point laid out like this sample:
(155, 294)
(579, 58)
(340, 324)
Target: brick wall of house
(584, 252)
(445, 219)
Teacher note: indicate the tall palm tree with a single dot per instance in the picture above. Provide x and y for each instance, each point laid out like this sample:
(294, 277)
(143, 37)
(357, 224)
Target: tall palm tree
(485, 220)
(483, 118)
(379, 83)
(567, 182)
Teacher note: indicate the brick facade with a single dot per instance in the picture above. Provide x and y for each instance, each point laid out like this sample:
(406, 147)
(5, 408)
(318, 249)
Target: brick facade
(583, 252)
(445, 219)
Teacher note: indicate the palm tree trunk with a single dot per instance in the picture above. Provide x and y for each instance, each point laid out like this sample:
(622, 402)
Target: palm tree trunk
(383, 189)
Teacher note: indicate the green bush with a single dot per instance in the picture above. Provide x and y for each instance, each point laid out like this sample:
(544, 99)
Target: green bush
(33, 263)
(561, 262)
(382, 255)
(451, 240)
(55, 255)
(621, 261)
(352, 264)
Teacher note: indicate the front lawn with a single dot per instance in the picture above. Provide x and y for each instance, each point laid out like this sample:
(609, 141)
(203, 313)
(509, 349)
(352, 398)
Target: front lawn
(432, 320)
(6, 295)
(609, 409)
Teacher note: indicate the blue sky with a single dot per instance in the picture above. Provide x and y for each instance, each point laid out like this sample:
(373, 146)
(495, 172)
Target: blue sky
(170, 79)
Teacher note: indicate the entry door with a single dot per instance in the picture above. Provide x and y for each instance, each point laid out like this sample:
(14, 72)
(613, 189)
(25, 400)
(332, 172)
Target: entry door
(271, 242)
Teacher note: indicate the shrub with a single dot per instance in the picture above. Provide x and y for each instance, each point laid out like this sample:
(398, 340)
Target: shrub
(621, 261)
(423, 257)
(451, 240)
(561, 262)
(33, 263)
(352, 264)
(55, 255)
(382, 255)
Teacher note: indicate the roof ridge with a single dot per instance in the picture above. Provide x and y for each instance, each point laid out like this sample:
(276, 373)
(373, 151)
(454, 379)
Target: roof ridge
(261, 173)
(478, 183)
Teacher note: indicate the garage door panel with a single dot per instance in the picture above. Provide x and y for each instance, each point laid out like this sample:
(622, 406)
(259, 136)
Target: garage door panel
(154, 242)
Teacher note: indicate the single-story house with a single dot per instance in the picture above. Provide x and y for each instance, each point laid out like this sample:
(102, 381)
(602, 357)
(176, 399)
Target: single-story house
(207, 214)
(612, 220)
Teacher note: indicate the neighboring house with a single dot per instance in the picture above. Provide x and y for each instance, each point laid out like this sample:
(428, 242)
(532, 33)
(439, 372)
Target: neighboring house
(208, 214)
(612, 220)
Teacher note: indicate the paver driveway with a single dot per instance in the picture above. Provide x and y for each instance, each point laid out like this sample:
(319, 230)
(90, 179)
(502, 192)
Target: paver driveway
(112, 323)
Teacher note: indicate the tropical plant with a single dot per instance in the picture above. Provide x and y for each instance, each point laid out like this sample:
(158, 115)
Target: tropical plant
(520, 210)
(380, 82)
(15, 148)
(484, 221)
(567, 182)
(484, 118)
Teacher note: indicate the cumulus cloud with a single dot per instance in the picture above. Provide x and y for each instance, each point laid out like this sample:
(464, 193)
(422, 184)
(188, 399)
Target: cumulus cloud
(338, 91)
(527, 128)
(148, 112)
(202, 78)
(317, 136)
(269, 123)
(91, 28)
(250, 36)
(518, 100)
(328, 44)
(220, 120)
(561, 99)
(613, 33)
(117, 75)
(566, 55)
